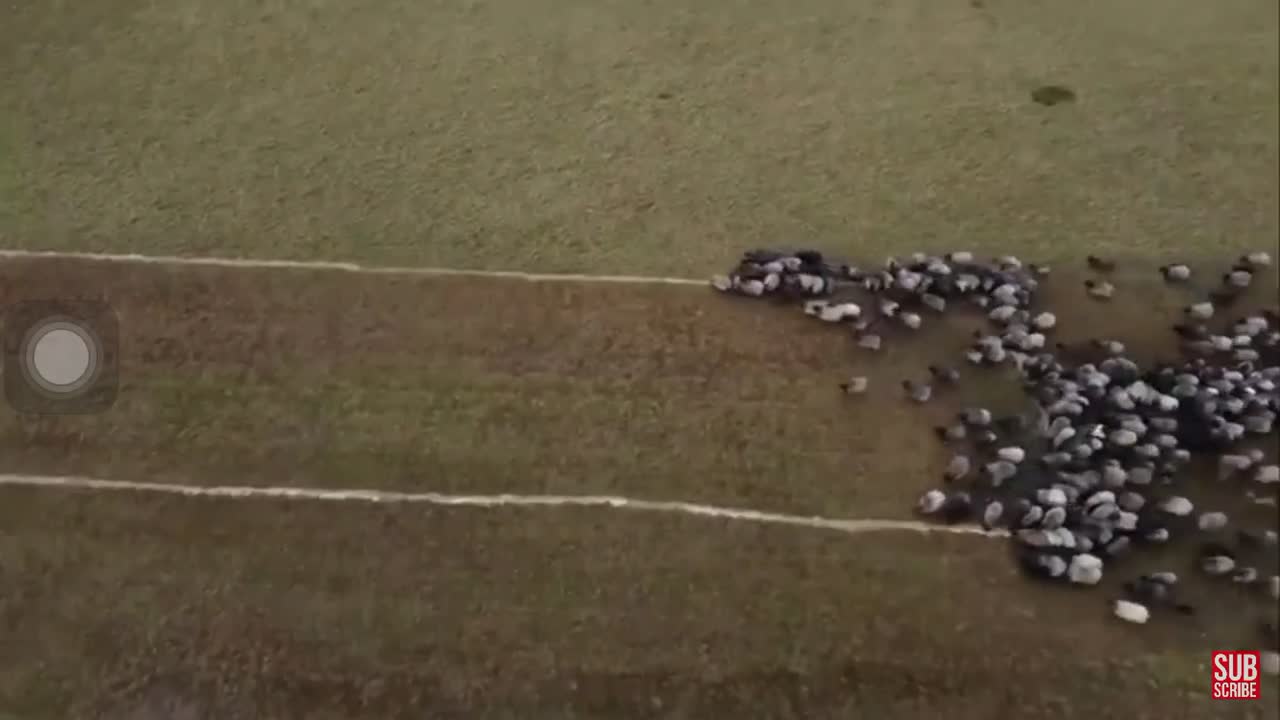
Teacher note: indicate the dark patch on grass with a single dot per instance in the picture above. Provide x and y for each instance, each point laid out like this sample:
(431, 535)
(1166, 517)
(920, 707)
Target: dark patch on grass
(1051, 95)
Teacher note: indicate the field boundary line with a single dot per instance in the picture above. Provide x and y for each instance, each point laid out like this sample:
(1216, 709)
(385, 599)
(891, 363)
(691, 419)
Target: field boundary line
(242, 492)
(335, 266)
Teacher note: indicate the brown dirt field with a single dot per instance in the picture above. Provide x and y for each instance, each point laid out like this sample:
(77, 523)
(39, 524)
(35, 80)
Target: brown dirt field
(116, 604)
(645, 137)
(467, 385)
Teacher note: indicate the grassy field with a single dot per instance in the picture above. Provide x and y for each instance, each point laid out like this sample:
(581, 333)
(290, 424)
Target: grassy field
(289, 610)
(608, 137)
(612, 135)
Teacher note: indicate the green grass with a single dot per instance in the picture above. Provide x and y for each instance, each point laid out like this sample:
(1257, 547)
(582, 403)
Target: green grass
(298, 610)
(638, 137)
(607, 137)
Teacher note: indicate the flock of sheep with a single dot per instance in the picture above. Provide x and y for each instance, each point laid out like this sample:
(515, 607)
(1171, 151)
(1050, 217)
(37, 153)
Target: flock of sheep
(1094, 469)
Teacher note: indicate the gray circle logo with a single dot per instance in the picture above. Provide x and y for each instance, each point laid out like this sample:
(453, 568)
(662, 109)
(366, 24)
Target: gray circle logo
(61, 357)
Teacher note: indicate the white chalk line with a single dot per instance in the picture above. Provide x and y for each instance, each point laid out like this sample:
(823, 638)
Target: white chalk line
(242, 492)
(349, 267)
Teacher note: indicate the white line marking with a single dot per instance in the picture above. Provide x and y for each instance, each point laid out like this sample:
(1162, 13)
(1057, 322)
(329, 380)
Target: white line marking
(849, 526)
(323, 265)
